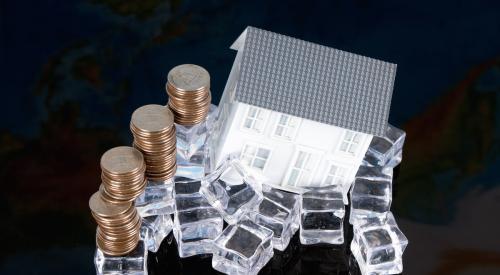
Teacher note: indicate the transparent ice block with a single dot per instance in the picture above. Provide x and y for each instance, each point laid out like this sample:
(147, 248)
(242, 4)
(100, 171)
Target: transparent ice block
(231, 190)
(156, 199)
(279, 212)
(194, 153)
(243, 248)
(374, 173)
(378, 246)
(134, 262)
(386, 151)
(322, 213)
(196, 222)
(370, 197)
(154, 229)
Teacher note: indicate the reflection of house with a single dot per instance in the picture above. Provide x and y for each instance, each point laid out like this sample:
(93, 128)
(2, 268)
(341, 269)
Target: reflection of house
(301, 113)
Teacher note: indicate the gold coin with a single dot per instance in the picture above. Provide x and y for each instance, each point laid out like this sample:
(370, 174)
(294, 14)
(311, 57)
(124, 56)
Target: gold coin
(122, 160)
(105, 209)
(152, 118)
(189, 77)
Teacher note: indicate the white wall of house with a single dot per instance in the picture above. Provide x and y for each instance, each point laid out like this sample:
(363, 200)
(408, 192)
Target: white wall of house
(309, 153)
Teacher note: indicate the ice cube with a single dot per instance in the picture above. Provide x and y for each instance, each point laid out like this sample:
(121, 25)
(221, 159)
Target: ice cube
(378, 246)
(196, 222)
(154, 229)
(134, 262)
(370, 198)
(279, 212)
(194, 154)
(231, 191)
(386, 151)
(243, 248)
(156, 199)
(321, 216)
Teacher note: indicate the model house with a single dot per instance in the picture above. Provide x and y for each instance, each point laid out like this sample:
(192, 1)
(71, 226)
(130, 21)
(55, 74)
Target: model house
(301, 114)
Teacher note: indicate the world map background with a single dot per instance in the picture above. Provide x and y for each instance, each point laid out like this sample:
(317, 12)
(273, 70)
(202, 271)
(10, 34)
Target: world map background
(73, 71)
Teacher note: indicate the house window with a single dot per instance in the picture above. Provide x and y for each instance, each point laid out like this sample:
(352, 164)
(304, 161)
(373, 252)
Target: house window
(335, 175)
(254, 156)
(300, 169)
(255, 119)
(286, 126)
(350, 143)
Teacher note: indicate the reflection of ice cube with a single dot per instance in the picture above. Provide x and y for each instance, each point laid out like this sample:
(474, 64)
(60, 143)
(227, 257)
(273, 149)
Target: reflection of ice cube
(279, 212)
(194, 154)
(243, 248)
(134, 262)
(386, 151)
(231, 191)
(196, 223)
(378, 246)
(321, 216)
(154, 229)
(156, 199)
(370, 197)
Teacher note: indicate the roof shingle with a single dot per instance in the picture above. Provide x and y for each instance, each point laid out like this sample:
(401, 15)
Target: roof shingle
(315, 82)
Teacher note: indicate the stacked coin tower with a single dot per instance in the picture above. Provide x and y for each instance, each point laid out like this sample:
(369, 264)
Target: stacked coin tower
(118, 225)
(188, 89)
(112, 206)
(154, 135)
(122, 174)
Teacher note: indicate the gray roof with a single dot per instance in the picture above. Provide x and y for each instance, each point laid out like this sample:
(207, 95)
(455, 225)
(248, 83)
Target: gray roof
(315, 82)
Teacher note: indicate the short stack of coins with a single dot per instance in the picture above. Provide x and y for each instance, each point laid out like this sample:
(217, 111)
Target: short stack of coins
(154, 135)
(118, 225)
(188, 89)
(122, 174)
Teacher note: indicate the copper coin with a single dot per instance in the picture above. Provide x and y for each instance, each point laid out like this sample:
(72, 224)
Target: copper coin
(122, 160)
(106, 209)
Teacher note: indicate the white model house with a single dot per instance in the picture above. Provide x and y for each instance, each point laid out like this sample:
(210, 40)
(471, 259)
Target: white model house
(301, 114)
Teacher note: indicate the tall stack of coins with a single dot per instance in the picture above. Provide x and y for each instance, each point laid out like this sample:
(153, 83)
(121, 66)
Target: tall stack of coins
(154, 135)
(118, 225)
(123, 178)
(188, 89)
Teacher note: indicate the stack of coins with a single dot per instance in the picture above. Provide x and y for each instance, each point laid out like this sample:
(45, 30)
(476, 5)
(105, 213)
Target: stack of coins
(118, 225)
(154, 135)
(123, 178)
(188, 89)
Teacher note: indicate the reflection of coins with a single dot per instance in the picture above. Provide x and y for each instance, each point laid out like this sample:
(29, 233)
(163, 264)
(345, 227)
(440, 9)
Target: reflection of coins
(122, 174)
(188, 89)
(156, 140)
(118, 225)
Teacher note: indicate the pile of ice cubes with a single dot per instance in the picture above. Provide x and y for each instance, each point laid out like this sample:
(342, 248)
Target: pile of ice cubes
(226, 212)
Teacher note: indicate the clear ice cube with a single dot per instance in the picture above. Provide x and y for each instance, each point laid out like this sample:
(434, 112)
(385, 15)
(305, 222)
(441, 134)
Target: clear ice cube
(134, 262)
(194, 154)
(386, 151)
(156, 199)
(378, 246)
(370, 196)
(279, 212)
(322, 213)
(196, 222)
(374, 173)
(231, 190)
(154, 229)
(243, 248)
